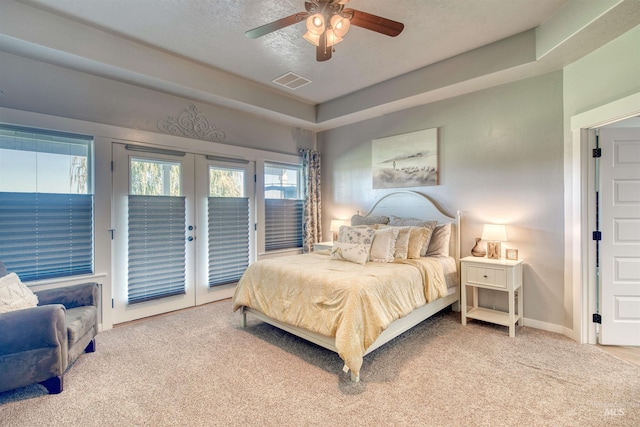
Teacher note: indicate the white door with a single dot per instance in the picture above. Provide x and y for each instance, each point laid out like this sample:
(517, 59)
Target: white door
(154, 232)
(620, 245)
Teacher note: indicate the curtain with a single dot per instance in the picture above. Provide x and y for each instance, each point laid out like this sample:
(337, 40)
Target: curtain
(312, 220)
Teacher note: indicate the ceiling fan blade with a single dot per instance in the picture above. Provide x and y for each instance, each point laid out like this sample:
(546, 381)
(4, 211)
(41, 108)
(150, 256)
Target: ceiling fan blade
(323, 52)
(374, 23)
(276, 25)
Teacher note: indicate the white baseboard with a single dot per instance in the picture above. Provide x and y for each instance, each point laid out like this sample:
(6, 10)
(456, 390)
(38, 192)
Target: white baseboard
(550, 327)
(571, 333)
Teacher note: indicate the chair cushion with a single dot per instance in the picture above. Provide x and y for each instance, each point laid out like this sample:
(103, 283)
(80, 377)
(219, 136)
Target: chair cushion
(79, 321)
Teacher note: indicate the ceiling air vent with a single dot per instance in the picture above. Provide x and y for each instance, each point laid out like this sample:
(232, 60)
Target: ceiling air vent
(291, 81)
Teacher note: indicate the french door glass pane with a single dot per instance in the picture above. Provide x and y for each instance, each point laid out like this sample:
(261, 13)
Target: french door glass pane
(156, 246)
(228, 224)
(155, 178)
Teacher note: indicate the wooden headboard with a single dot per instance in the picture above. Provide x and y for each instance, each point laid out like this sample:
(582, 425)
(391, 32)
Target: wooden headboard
(405, 203)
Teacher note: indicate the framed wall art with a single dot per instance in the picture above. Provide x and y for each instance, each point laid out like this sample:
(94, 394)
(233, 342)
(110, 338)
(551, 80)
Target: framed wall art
(407, 160)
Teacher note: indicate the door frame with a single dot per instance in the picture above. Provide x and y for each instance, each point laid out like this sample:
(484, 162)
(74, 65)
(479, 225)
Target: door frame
(580, 290)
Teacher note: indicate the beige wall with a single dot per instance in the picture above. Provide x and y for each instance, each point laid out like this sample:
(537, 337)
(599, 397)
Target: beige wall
(501, 160)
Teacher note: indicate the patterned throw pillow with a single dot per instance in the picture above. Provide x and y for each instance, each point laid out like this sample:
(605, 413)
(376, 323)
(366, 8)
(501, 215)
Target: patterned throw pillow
(362, 235)
(352, 252)
(15, 295)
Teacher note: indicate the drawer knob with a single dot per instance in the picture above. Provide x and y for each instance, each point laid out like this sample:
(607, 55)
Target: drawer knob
(485, 276)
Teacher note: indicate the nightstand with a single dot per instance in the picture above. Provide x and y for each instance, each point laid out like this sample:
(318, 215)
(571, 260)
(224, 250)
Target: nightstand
(496, 274)
(322, 246)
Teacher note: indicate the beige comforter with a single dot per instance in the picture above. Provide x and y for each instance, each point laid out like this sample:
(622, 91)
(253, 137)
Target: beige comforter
(353, 303)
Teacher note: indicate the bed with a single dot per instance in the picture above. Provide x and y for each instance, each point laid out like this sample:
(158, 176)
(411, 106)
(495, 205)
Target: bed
(353, 308)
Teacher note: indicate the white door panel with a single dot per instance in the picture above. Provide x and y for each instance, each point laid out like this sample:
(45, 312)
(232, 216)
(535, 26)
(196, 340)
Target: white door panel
(620, 245)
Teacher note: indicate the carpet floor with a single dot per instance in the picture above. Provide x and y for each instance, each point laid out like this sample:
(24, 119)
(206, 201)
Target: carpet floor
(198, 367)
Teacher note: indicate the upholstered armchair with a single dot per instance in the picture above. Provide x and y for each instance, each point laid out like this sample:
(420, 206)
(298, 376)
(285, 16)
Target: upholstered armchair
(38, 344)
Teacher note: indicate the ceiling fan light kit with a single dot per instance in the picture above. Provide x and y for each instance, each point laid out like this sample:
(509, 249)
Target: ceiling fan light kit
(327, 23)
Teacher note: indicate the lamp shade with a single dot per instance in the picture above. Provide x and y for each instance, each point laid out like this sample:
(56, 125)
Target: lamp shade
(336, 224)
(316, 24)
(494, 233)
(314, 39)
(340, 25)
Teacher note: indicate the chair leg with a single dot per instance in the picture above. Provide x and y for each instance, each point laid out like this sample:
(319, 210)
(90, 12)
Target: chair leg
(53, 385)
(91, 347)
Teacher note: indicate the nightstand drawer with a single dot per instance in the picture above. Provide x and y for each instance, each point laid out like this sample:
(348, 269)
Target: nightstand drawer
(487, 276)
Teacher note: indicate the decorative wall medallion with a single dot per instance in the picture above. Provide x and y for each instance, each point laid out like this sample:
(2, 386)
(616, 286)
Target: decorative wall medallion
(192, 123)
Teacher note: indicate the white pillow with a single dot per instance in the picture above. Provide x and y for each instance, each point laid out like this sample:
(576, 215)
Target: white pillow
(384, 245)
(402, 242)
(14, 295)
(352, 252)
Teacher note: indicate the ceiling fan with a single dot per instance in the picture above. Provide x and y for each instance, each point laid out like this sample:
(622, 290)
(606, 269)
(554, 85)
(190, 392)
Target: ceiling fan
(327, 22)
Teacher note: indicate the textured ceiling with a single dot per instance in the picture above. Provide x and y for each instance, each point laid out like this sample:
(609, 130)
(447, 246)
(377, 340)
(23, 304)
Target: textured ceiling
(197, 49)
(212, 32)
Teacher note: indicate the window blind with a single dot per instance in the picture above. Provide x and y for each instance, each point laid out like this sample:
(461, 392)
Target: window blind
(228, 239)
(156, 247)
(44, 235)
(283, 223)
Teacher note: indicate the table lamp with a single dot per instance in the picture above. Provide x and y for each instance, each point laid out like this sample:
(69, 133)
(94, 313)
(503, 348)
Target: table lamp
(493, 234)
(335, 227)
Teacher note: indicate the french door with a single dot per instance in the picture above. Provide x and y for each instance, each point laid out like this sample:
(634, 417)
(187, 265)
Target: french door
(181, 233)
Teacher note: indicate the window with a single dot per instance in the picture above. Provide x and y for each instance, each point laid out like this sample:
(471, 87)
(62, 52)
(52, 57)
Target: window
(46, 203)
(228, 220)
(284, 203)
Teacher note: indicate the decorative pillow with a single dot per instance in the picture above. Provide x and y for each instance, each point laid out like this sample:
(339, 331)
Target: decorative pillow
(358, 234)
(15, 295)
(402, 242)
(439, 243)
(417, 238)
(415, 222)
(352, 252)
(368, 220)
(384, 245)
